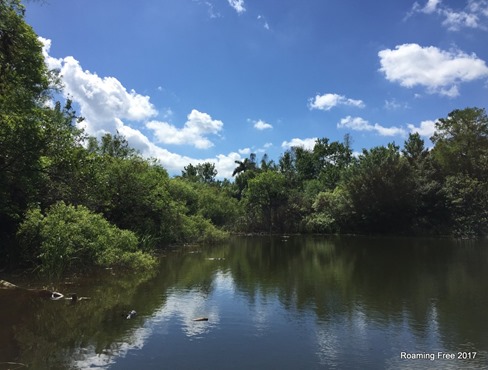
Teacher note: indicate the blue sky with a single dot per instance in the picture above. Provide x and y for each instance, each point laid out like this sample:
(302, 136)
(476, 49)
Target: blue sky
(213, 80)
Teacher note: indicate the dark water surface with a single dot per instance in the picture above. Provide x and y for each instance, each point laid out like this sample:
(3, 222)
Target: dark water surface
(271, 303)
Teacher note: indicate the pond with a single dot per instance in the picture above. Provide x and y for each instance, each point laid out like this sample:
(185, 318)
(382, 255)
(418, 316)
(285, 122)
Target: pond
(281, 302)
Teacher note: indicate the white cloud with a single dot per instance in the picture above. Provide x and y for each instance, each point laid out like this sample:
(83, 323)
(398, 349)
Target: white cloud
(238, 5)
(473, 15)
(101, 100)
(194, 131)
(265, 22)
(105, 104)
(261, 125)
(210, 8)
(389, 131)
(305, 143)
(429, 8)
(328, 101)
(439, 71)
(360, 124)
(426, 128)
(267, 145)
(393, 104)
(245, 151)
(355, 123)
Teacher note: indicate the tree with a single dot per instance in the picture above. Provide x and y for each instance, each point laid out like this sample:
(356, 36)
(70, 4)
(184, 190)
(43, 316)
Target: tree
(467, 204)
(414, 149)
(202, 172)
(266, 200)
(380, 189)
(245, 171)
(207, 172)
(461, 143)
(26, 123)
(248, 164)
(331, 159)
(24, 78)
(112, 145)
(190, 173)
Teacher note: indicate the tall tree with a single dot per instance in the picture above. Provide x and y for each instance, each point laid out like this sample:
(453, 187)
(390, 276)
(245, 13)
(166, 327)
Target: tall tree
(25, 85)
(266, 199)
(381, 191)
(461, 143)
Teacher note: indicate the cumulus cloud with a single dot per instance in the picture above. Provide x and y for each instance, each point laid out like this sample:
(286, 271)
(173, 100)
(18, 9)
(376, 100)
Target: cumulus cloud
(473, 15)
(304, 143)
(105, 104)
(393, 104)
(194, 131)
(426, 128)
(328, 101)
(101, 100)
(360, 124)
(438, 70)
(428, 8)
(238, 5)
(245, 151)
(261, 125)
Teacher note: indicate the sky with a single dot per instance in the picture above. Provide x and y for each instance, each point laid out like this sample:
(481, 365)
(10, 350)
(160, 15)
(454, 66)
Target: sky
(193, 81)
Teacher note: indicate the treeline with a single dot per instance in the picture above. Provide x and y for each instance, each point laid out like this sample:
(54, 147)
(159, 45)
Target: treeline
(384, 190)
(70, 201)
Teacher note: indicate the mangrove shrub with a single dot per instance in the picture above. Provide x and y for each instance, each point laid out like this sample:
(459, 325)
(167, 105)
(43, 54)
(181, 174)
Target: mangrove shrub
(73, 238)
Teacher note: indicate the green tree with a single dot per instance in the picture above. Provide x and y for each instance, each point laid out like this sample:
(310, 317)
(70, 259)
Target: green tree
(245, 171)
(202, 172)
(115, 146)
(461, 143)
(381, 191)
(467, 203)
(190, 173)
(266, 200)
(28, 128)
(414, 149)
(331, 159)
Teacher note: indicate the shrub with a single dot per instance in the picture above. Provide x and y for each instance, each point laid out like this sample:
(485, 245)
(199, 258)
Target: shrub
(70, 237)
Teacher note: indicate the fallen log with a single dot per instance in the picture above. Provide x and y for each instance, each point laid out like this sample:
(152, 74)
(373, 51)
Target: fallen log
(43, 293)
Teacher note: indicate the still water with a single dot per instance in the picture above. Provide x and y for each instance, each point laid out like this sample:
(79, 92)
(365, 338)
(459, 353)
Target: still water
(272, 303)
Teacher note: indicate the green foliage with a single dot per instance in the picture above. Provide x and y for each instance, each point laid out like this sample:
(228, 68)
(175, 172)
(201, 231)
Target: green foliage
(461, 143)
(265, 200)
(111, 145)
(467, 203)
(332, 212)
(24, 78)
(26, 124)
(217, 206)
(70, 237)
(381, 189)
(197, 229)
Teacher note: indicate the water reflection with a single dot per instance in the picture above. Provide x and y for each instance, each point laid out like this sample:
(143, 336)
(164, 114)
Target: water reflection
(300, 302)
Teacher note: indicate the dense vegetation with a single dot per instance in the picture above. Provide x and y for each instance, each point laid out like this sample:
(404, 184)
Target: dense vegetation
(70, 201)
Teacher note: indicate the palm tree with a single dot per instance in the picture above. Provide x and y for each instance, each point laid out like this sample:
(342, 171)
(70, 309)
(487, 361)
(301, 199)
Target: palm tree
(245, 165)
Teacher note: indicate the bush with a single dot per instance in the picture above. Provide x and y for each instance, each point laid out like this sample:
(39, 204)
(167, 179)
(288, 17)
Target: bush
(197, 229)
(70, 237)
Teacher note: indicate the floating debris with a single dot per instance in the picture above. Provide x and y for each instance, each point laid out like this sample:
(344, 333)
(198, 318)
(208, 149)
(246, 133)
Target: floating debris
(201, 319)
(56, 295)
(132, 314)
